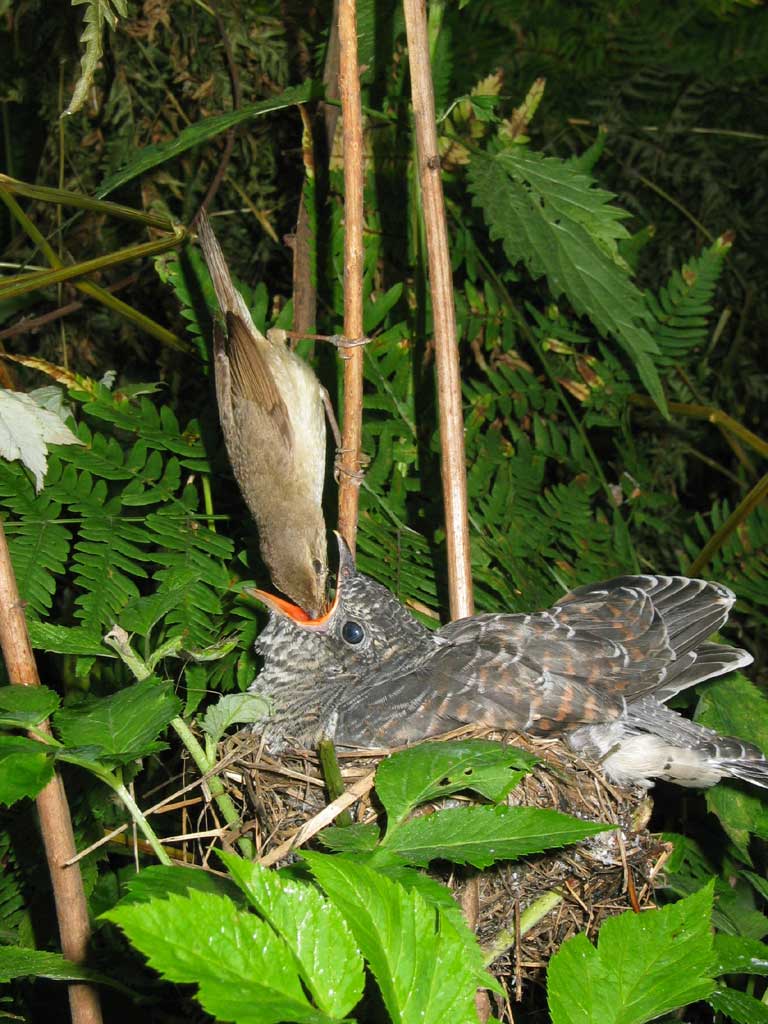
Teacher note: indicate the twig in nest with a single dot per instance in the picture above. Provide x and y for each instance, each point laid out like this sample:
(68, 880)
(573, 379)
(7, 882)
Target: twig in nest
(320, 820)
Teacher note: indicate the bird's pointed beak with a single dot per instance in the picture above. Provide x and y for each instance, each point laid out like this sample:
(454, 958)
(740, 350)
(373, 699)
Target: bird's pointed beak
(291, 611)
(347, 566)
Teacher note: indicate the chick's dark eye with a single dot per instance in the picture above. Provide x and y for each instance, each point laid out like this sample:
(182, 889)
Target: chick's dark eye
(352, 632)
(317, 566)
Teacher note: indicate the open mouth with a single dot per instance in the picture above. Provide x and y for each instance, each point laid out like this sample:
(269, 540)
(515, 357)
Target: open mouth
(291, 611)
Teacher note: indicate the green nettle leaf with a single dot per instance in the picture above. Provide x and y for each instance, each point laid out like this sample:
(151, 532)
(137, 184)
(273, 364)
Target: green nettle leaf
(233, 709)
(45, 636)
(124, 725)
(735, 707)
(417, 957)
(24, 706)
(550, 216)
(644, 965)
(482, 835)
(17, 962)
(327, 958)
(739, 1006)
(158, 880)
(244, 972)
(357, 838)
(737, 955)
(22, 962)
(26, 766)
(432, 770)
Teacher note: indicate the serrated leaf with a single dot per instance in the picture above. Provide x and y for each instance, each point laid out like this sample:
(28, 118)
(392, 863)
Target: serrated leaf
(551, 216)
(26, 430)
(125, 723)
(644, 965)
(244, 972)
(18, 962)
(79, 640)
(24, 706)
(97, 14)
(431, 770)
(737, 955)
(233, 709)
(326, 955)
(158, 880)
(26, 766)
(739, 1006)
(480, 836)
(357, 838)
(439, 896)
(416, 956)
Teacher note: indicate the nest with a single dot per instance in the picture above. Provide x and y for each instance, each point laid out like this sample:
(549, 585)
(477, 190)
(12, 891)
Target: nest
(522, 911)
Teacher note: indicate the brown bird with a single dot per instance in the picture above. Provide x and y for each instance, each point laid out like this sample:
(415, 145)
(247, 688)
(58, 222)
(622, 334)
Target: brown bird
(272, 414)
(596, 668)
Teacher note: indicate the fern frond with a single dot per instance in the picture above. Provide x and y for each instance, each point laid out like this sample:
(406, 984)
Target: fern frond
(38, 543)
(682, 307)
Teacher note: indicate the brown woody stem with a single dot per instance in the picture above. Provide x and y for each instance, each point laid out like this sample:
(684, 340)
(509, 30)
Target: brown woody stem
(52, 806)
(453, 465)
(352, 431)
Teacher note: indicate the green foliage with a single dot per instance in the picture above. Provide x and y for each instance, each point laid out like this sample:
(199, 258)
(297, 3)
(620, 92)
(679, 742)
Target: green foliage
(549, 215)
(644, 965)
(598, 261)
(97, 14)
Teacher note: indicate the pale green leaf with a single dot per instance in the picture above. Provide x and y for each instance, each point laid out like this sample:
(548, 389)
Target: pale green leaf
(81, 640)
(18, 962)
(432, 770)
(26, 430)
(122, 725)
(244, 972)
(203, 131)
(417, 958)
(739, 1006)
(159, 880)
(26, 766)
(737, 955)
(644, 965)
(233, 709)
(314, 930)
(483, 835)
(24, 706)
(98, 13)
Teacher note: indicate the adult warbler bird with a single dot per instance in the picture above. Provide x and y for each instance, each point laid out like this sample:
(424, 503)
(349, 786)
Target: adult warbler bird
(272, 415)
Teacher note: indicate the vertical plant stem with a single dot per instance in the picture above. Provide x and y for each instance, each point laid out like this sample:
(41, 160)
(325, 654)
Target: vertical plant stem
(334, 782)
(52, 806)
(206, 766)
(139, 819)
(453, 459)
(352, 430)
(453, 467)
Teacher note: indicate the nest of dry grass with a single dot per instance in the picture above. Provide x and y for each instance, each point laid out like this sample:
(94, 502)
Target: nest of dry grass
(522, 911)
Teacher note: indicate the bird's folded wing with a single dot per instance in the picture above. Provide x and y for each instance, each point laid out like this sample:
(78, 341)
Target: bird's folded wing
(252, 378)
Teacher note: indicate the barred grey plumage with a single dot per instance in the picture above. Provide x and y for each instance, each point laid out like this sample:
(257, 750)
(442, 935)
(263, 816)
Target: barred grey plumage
(597, 667)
